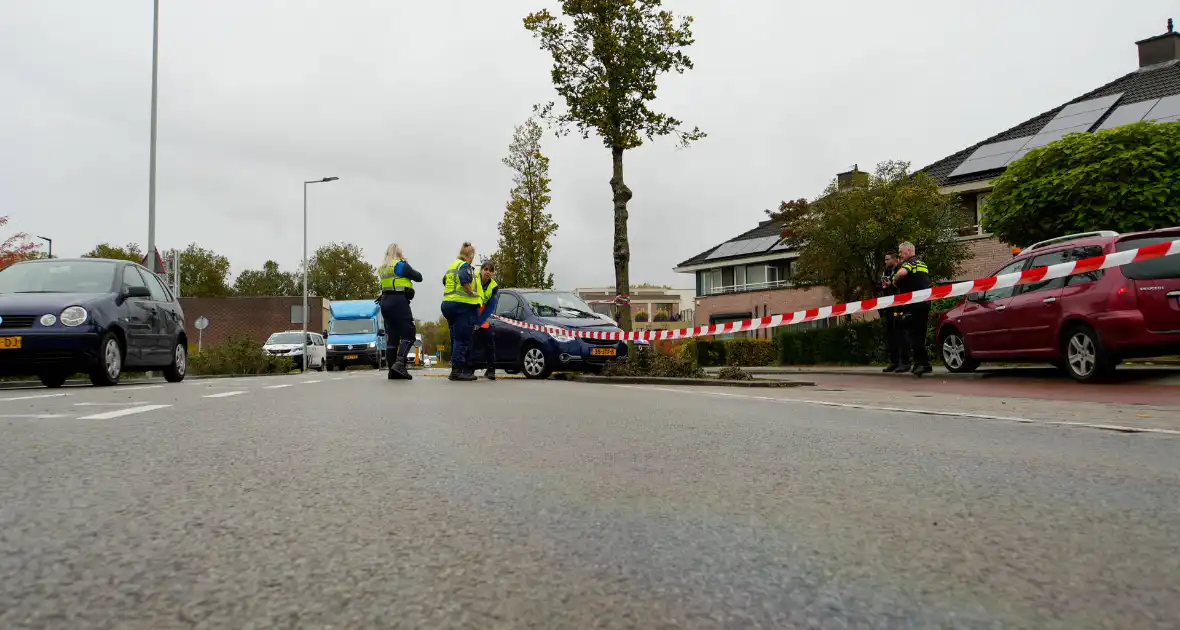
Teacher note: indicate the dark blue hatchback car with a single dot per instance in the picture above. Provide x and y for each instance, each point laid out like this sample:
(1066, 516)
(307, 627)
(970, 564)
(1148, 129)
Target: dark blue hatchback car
(538, 354)
(59, 317)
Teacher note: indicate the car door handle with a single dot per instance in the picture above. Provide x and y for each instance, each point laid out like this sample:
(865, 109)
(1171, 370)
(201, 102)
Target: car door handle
(1001, 307)
(1173, 293)
(1049, 300)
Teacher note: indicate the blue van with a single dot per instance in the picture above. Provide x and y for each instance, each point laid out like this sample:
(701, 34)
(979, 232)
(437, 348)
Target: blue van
(356, 335)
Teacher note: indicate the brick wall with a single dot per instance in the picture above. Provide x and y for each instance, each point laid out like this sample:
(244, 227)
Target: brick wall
(988, 255)
(255, 317)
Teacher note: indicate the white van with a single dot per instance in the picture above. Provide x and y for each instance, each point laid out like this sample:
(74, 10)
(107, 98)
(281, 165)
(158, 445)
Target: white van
(289, 344)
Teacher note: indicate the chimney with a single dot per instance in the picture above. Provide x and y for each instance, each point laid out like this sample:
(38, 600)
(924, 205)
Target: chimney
(855, 177)
(1160, 48)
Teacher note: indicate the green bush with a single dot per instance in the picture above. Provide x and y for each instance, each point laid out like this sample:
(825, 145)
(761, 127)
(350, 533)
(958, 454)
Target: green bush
(660, 316)
(750, 352)
(641, 315)
(653, 363)
(858, 343)
(238, 356)
(733, 373)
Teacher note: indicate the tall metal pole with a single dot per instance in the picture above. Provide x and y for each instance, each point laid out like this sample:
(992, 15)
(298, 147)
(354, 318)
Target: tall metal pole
(304, 317)
(151, 244)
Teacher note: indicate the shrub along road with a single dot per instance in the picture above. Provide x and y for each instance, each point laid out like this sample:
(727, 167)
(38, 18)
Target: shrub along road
(363, 503)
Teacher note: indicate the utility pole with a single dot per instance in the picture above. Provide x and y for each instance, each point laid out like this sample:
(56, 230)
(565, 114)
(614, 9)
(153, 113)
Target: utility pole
(151, 243)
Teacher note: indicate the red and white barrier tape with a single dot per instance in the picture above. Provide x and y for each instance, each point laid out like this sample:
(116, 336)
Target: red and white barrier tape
(1117, 259)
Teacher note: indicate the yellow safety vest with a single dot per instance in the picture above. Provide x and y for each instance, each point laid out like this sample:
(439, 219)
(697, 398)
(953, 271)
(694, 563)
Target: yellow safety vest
(486, 294)
(453, 289)
(390, 281)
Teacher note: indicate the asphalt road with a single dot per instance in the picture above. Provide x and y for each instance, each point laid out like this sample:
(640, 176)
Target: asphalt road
(346, 501)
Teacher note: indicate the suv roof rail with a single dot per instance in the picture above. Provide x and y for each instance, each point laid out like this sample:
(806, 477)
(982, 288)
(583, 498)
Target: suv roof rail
(1071, 237)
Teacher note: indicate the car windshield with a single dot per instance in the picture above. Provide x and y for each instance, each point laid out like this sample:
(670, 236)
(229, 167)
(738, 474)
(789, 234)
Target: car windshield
(352, 327)
(555, 304)
(285, 338)
(1154, 269)
(73, 276)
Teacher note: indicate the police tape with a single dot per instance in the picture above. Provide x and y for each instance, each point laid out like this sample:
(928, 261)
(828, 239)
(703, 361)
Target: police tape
(957, 289)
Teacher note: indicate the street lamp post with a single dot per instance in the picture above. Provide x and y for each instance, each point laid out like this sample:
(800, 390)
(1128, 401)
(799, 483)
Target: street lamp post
(304, 318)
(50, 241)
(151, 244)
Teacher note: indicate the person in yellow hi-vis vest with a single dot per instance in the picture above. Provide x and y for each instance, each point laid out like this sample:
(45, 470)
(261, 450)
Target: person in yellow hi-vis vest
(397, 290)
(489, 294)
(460, 305)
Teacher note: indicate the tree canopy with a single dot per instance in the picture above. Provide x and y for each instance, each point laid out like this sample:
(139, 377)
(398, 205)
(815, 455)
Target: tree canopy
(1122, 179)
(130, 252)
(843, 236)
(203, 272)
(16, 247)
(338, 271)
(268, 281)
(526, 229)
(607, 58)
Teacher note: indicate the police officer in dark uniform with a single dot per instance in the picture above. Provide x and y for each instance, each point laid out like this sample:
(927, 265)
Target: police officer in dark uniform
(397, 290)
(913, 275)
(895, 344)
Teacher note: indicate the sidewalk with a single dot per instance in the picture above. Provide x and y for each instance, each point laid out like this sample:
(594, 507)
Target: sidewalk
(1161, 375)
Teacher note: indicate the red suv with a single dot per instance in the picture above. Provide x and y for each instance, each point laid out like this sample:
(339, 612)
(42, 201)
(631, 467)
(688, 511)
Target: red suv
(1084, 324)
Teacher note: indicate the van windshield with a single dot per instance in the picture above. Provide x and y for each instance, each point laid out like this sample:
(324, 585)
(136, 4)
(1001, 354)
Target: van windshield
(352, 327)
(1165, 267)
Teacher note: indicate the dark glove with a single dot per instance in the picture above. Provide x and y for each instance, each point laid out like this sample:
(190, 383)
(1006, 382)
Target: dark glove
(409, 294)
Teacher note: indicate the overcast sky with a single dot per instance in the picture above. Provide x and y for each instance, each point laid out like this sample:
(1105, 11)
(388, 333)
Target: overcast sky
(412, 105)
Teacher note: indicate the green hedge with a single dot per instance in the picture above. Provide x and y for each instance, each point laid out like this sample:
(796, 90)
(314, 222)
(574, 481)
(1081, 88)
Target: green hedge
(741, 352)
(238, 356)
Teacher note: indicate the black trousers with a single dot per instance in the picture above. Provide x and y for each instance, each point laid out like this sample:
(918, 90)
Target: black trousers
(399, 323)
(894, 342)
(486, 341)
(914, 321)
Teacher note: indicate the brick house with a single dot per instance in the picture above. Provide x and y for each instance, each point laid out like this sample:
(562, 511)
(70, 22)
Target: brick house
(253, 317)
(750, 274)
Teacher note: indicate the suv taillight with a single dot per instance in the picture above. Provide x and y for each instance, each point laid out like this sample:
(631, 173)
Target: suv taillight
(1124, 297)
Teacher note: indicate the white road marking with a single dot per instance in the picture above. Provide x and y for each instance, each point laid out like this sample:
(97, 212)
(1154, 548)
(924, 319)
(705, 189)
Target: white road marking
(338, 378)
(929, 412)
(31, 397)
(123, 412)
(224, 394)
(33, 416)
(309, 382)
(107, 404)
(136, 388)
(277, 386)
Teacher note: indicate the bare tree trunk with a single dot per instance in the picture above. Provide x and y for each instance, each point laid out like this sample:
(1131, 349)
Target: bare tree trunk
(622, 251)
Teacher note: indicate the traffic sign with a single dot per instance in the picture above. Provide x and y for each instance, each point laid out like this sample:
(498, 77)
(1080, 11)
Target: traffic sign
(441, 348)
(202, 323)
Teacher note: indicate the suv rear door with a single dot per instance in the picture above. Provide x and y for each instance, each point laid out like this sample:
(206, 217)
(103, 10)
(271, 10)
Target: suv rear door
(1157, 282)
(1035, 310)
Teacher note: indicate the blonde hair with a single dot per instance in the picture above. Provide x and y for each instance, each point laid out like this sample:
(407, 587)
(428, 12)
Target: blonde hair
(467, 252)
(393, 253)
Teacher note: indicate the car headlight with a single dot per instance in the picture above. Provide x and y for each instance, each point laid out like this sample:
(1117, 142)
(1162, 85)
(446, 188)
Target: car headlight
(297, 350)
(372, 344)
(562, 338)
(73, 316)
(48, 319)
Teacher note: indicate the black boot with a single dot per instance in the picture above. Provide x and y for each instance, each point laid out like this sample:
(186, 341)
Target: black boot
(399, 366)
(466, 374)
(455, 371)
(490, 373)
(892, 367)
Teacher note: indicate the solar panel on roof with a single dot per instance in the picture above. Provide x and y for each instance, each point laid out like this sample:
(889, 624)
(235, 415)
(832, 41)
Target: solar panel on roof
(1103, 103)
(1128, 114)
(759, 245)
(726, 249)
(990, 156)
(1168, 107)
(779, 247)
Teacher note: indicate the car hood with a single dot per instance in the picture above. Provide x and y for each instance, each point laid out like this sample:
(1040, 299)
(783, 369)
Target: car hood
(580, 323)
(352, 339)
(42, 303)
(282, 346)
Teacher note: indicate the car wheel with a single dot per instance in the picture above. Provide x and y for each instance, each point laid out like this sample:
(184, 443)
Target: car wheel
(955, 355)
(110, 362)
(176, 370)
(1086, 358)
(534, 363)
(53, 379)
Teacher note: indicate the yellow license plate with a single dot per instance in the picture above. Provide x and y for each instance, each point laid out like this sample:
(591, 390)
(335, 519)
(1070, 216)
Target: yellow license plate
(350, 357)
(9, 343)
(603, 352)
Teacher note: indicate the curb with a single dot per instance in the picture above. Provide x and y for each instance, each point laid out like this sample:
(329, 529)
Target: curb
(971, 376)
(661, 380)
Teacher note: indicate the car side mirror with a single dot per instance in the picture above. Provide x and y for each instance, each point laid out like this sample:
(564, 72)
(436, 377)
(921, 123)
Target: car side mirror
(137, 292)
(977, 297)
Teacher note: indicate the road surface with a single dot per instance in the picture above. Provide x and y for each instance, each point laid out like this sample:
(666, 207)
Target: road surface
(347, 501)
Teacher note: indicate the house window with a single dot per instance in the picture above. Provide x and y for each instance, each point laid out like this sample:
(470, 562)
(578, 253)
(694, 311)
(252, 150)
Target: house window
(772, 275)
(739, 278)
(756, 275)
(727, 278)
(981, 208)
